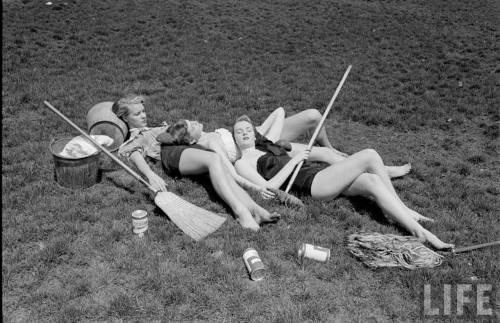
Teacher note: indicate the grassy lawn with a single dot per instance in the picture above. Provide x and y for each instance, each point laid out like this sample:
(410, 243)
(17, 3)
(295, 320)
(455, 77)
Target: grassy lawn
(424, 88)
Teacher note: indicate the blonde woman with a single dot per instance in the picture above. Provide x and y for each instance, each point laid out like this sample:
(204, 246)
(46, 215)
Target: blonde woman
(183, 160)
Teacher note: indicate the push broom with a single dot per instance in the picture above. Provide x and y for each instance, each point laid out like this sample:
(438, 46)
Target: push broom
(318, 128)
(196, 222)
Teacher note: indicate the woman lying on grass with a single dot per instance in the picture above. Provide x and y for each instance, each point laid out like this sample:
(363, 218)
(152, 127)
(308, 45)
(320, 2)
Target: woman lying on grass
(362, 173)
(275, 128)
(183, 160)
(279, 129)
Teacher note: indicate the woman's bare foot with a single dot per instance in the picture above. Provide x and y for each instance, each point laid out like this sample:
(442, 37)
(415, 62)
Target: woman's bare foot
(427, 236)
(398, 171)
(246, 220)
(263, 216)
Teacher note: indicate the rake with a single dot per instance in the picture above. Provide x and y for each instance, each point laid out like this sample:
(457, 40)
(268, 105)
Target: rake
(196, 222)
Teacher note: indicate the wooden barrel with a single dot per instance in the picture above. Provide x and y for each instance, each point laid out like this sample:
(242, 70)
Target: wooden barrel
(74, 172)
(102, 121)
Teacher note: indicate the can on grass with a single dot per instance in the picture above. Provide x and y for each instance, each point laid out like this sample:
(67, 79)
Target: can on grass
(317, 253)
(254, 264)
(139, 222)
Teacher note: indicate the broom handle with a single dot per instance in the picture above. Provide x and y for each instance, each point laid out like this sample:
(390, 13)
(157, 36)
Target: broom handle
(113, 157)
(318, 128)
(483, 245)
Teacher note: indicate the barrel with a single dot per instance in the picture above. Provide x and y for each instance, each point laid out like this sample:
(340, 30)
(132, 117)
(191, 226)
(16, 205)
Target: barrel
(74, 173)
(101, 120)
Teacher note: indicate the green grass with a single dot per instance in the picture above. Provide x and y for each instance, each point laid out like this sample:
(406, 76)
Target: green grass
(423, 89)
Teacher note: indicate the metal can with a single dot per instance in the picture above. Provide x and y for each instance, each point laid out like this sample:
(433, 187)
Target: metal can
(139, 222)
(254, 264)
(317, 253)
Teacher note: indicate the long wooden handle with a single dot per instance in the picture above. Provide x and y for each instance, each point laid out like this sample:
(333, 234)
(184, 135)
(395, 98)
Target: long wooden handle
(478, 246)
(110, 155)
(318, 127)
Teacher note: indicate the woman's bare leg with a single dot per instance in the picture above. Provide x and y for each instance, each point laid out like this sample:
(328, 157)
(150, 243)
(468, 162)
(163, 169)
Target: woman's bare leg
(302, 122)
(260, 214)
(377, 167)
(327, 155)
(371, 185)
(196, 162)
(272, 127)
(319, 154)
(336, 178)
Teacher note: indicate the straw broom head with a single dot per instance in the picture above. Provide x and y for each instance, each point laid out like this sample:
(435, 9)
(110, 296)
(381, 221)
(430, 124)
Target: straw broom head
(286, 198)
(193, 220)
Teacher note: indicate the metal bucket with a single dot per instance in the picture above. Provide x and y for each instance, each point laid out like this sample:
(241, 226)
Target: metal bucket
(101, 120)
(74, 172)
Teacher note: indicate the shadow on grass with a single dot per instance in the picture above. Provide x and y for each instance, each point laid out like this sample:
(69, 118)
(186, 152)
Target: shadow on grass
(363, 205)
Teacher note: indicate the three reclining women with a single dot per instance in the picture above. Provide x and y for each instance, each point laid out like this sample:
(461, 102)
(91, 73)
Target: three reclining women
(264, 157)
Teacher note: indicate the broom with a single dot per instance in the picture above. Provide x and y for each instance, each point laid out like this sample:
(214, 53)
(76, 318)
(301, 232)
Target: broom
(193, 220)
(285, 198)
(318, 128)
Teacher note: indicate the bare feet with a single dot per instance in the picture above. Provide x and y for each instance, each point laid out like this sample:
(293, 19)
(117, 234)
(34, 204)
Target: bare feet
(248, 223)
(398, 171)
(246, 220)
(427, 236)
(263, 216)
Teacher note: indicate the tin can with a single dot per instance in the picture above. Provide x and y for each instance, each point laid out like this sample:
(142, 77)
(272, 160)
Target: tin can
(139, 222)
(317, 253)
(254, 264)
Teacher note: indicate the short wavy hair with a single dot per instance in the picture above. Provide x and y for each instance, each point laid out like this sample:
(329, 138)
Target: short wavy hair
(179, 133)
(120, 107)
(247, 119)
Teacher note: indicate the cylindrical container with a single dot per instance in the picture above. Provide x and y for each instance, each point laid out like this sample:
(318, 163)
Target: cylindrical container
(72, 172)
(139, 222)
(314, 252)
(101, 120)
(254, 264)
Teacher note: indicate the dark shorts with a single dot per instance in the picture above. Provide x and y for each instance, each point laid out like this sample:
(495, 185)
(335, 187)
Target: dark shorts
(171, 156)
(305, 177)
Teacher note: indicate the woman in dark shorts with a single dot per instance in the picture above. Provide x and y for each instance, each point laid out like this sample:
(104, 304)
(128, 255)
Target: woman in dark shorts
(362, 173)
(183, 160)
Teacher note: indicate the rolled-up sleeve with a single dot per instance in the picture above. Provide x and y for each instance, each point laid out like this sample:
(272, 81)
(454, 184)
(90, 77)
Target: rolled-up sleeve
(131, 146)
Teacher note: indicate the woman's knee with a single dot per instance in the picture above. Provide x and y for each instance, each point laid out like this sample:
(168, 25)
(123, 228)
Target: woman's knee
(371, 156)
(313, 116)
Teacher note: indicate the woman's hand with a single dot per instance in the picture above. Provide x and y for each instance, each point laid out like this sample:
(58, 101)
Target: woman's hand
(302, 155)
(157, 182)
(263, 191)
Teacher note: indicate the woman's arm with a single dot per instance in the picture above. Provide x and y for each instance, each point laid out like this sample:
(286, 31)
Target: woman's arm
(246, 170)
(154, 180)
(271, 127)
(215, 144)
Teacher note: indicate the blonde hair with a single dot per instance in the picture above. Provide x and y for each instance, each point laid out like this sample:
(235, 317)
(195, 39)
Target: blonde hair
(120, 107)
